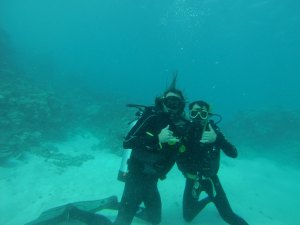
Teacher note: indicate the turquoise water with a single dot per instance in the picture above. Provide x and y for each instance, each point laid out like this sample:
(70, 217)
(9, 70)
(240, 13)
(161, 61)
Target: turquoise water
(70, 66)
(232, 53)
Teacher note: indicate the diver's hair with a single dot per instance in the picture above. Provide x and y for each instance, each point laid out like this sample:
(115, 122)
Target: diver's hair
(200, 103)
(171, 89)
(174, 80)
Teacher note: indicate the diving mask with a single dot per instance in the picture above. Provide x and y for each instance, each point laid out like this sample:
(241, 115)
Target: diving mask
(172, 102)
(202, 113)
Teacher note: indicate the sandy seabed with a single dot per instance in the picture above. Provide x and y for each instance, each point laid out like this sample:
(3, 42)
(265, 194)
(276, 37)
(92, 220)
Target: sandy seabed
(260, 191)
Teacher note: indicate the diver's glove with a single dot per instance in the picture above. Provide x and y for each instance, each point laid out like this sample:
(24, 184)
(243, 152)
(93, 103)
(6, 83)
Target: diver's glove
(166, 136)
(209, 136)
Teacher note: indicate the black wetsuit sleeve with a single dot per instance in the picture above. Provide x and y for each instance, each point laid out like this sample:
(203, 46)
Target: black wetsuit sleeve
(142, 134)
(228, 148)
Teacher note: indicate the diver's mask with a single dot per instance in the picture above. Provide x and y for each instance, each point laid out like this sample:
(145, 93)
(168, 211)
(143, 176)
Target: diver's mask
(173, 103)
(199, 114)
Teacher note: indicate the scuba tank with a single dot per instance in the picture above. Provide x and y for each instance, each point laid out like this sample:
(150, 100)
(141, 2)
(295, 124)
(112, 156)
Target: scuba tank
(123, 170)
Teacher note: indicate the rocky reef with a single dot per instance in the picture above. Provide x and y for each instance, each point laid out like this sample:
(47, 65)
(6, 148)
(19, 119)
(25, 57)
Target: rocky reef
(31, 115)
(271, 133)
(266, 127)
(34, 113)
(28, 114)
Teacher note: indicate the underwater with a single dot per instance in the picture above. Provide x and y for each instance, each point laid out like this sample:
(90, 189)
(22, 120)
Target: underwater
(69, 69)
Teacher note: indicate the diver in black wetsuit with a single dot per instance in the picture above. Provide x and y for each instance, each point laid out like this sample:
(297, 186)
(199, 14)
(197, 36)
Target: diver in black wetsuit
(200, 164)
(154, 141)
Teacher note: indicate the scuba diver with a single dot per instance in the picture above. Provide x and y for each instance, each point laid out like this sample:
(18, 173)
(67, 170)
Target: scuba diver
(154, 140)
(200, 164)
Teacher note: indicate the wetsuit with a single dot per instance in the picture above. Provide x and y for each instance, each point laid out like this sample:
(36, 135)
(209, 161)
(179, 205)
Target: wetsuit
(200, 164)
(149, 162)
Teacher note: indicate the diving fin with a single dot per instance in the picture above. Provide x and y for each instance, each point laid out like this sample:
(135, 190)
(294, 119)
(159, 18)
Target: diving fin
(97, 205)
(81, 211)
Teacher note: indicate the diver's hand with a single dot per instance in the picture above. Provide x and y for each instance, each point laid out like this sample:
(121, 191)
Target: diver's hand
(209, 136)
(166, 136)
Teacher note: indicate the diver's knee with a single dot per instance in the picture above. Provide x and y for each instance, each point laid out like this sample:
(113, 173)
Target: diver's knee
(229, 218)
(235, 220)
(156, 221)
(187, 217)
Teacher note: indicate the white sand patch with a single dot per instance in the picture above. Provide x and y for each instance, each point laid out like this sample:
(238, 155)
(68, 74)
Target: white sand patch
(258, 190)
